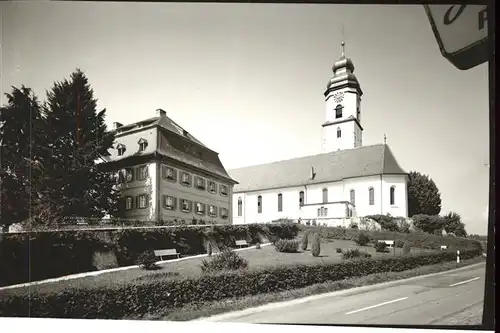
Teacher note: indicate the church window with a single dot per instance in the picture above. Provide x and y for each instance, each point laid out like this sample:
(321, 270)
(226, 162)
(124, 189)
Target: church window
(392, 195)
(371, 196)
(325, 195)
(339, 132)
(352, 195)
(326, 211)
(280, 202)
(338, 111)
(301, 198)
(319, 212)
(259, 204)
(240, 207)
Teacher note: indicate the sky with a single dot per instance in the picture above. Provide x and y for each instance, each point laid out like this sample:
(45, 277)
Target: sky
(248, 79)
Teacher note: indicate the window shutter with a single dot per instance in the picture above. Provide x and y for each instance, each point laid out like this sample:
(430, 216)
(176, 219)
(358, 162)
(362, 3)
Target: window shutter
(174, 203)
(147, 200)
(136, 201)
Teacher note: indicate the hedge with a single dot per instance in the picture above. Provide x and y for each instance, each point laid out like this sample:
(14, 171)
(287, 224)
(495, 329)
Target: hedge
(47, 254)
(150, 296)
(418, 239)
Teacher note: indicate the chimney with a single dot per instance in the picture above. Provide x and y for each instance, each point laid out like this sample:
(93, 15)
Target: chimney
(161, 113)
(117, 125)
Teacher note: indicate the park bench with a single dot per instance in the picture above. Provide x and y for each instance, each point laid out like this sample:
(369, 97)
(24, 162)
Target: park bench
(241, 243)
(389, 243)
(444, 247)
(166, 253)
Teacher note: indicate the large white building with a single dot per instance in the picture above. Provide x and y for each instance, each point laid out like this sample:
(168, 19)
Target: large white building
(347, 181)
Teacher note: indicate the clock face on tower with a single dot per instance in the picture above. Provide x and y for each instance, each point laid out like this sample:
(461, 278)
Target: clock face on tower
(338, 97)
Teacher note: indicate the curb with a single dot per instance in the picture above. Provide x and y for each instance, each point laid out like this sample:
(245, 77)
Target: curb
(282, 304)
(111, 270)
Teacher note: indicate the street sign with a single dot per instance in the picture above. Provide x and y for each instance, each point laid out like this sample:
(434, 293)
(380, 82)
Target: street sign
(461, 32)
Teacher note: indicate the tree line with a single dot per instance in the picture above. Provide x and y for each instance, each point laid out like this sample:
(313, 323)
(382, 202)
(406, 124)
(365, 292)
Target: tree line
(49, 154)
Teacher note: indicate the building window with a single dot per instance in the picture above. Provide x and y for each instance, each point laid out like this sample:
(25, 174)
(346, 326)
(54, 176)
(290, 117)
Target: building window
(358, 114)
(371, 196)
(200, 208)
(280, 202)
(338, 111)
(186, 205)
(392, 195)
(339, 132)
(121, 149)
(301, 198)
(212, 187)
(129, 175)
(169, 173)
(142, 172)
(224, 213)
(259, 204)
(325, 195)
(186, 179)
(319, 212)
(129, 203)
(143, 144)
(142, 201)
(326, 212)
(240, 207)
(169, 202)
(212, 211)
(352, 195)
(200, 183)
(223, 190)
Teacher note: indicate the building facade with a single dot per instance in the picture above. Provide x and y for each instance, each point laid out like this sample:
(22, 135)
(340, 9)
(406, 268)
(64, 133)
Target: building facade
(164, 173)
(345, 182)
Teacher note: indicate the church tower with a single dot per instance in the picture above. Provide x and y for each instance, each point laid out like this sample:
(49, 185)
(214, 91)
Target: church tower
(342, 127)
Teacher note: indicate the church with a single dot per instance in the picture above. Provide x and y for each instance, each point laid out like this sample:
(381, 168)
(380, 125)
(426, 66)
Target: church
(335, 188)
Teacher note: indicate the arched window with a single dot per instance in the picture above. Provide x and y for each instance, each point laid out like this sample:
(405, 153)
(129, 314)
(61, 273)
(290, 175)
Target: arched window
(371, 196)
(259, 204)
(325, 195)
(339, 132)
(301, 198)
(338, 111)
(240, 207)
(392, 195)
(280, 202)
(352, 197)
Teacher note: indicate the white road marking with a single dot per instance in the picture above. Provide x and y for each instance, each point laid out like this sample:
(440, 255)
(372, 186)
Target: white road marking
(458, 283)
(377, 305)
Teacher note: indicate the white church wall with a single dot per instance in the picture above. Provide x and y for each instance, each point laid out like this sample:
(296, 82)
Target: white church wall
(349, 102)
(315, 192)
(400, 207)
(361, 187)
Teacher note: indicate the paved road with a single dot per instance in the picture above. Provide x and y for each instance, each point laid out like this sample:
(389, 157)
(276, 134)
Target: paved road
(435, 300)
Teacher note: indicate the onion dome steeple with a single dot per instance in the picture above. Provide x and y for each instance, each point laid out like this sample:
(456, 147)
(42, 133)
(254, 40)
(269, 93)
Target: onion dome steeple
(343, 74)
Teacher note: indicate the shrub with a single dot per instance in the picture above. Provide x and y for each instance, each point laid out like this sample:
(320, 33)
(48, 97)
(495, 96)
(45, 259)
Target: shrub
(406, 248)
(118, 301)
(314, 223)
(338, 250)
(399, 243)
(355, 253)
(257, 246)
(386, 222)
(380, 247)
(286, 245)
(209, 248)
(354, 226)
(227, 260)
(362, 239)
(315, 245)
(147, 260)
(303, 244)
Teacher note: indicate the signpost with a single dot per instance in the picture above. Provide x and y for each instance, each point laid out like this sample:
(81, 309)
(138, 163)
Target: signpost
(461, 32)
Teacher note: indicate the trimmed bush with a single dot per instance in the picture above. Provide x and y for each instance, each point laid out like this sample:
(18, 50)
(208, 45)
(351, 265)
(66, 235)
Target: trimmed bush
(257, 246)
(338, 250)
(355, 254)
(399, 243)
(362, 239)
(209, 248)
(227, 260)
(406, 248)
(74, 249)
(380, 247)
(118, 301)
(315, 245)
(287, 245)
(303, 244)
(147, 260)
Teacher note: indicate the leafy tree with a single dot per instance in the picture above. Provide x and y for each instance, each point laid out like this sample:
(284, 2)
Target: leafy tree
(452, 222)
(73, 184)
(432, 224)
(423, 195)
(387, 222)
(22, 129)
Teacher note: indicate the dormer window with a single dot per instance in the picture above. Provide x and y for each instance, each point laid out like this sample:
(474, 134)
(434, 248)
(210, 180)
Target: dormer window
(143, 144)
(121, 149)
(338, 111)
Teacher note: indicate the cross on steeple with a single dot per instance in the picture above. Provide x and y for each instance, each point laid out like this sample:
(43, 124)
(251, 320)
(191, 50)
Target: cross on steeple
(343, 41)
(385, 139)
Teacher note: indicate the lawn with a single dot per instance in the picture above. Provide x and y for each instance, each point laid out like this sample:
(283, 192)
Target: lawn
(266, 257)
